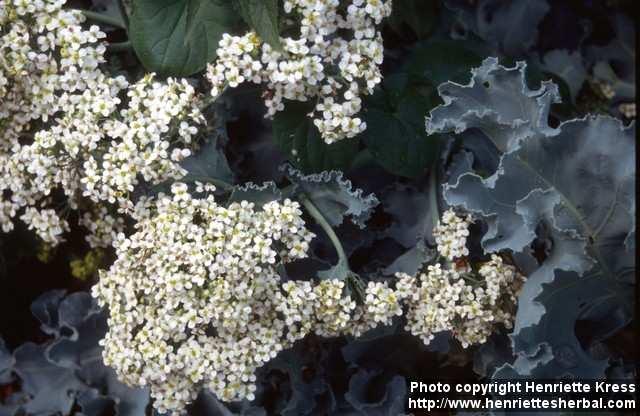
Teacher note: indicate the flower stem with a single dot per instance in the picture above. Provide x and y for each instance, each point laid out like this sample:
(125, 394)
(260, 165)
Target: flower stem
(103, 18)
(322, 222)
(467, 277)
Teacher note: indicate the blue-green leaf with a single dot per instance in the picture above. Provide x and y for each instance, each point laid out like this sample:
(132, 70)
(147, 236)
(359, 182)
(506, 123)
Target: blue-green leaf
(334, 196)
(510, 27)
(208, 163)
(573, 186)
(390, 403)
(258, 194)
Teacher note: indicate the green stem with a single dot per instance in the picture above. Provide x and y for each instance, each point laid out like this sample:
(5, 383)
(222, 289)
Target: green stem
(119, 46)
(322, 222)
(102, 18)
(466, 277)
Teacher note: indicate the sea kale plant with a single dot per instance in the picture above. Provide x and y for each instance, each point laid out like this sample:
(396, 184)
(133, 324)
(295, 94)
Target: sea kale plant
(294, 207)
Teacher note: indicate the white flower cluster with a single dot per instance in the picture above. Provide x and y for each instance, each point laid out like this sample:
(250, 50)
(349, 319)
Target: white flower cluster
(628, 109)
(44, 53)
(446, 300)
(326, 311)
(453, 298)
(195, 299)
(605, 88)
(451, 234)
(72, 132)
(380, 305)
(334, 62)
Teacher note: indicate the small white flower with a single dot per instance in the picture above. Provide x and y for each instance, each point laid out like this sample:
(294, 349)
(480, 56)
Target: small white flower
(348, 41)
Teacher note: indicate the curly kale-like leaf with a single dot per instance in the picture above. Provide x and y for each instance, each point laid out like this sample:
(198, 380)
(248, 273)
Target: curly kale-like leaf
(389, 403)
(334, 196)
(49, 387)
(498, 102)
(6, 363)
(558, 171)
(615, 63)
(575, 184)
(79, 350)
(258, 194)
(414, 213)
(566, 299)
(304, 366)
(510, 27)
(68, 369)
(568, 65)
(45, 309)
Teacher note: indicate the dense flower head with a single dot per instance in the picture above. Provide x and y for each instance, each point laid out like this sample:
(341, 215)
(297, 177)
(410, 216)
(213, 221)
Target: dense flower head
(105, 141)
(196, 300)
(452, 297)
(194, 296)
(71, 132)
(322, 308)
(451, 234)
(44, 53)
(334, 62)
(380, 305)
(74, 137)
(45, 57)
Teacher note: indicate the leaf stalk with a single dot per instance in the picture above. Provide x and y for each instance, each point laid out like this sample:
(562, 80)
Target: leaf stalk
(326, 227)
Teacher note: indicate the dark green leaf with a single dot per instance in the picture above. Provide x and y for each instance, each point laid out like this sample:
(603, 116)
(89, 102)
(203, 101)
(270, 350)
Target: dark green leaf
(300, 140)
(438, 61)
(178, 37)
(395, 133)
(419, 15)
(262, 16)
